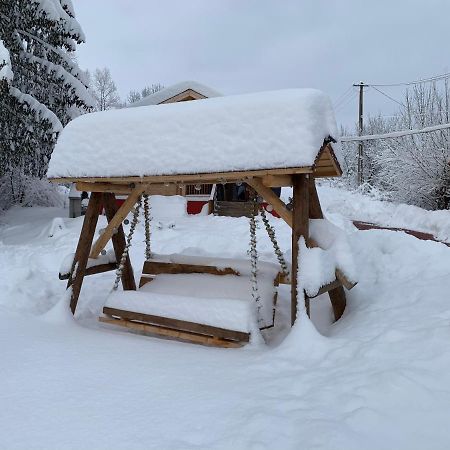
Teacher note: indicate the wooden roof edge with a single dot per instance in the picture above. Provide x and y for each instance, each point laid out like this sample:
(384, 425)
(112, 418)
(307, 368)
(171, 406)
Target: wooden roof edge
(212, 177)
(181, 95)
(327, 148)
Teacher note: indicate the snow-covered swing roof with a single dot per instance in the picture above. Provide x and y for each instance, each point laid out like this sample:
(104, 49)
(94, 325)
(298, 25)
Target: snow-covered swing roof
(286, 131)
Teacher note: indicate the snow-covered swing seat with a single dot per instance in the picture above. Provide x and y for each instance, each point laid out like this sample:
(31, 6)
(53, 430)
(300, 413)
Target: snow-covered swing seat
(269, 139)
(209, 300)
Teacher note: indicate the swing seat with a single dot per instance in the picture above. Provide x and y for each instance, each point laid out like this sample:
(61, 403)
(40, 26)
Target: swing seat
(187, 298)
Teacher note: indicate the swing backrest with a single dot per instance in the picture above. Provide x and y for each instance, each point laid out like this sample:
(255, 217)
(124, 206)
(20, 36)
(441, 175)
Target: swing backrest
(153, 268)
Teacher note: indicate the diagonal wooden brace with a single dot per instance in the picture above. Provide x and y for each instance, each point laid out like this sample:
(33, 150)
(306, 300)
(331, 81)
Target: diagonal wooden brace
(270, 196)
(115, 222)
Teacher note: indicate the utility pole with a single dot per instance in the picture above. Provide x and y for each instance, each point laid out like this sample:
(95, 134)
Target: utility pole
(361, 86)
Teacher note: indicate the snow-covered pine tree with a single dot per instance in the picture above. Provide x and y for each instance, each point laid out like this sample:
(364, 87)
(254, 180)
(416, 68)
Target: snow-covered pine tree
(41, 85)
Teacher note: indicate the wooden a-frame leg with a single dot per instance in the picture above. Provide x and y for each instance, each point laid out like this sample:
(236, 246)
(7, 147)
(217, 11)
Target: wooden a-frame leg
(118, 240)
(83, 248)
(300, 227)
(337, 295)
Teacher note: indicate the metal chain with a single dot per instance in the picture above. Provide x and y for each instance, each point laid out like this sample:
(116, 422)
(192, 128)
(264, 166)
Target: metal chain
(123, 259)
(147, 218)
(254, 259)
(271, 232)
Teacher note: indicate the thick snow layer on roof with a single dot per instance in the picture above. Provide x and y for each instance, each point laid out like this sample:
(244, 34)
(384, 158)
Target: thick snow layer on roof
(276, 129)
(175, 89)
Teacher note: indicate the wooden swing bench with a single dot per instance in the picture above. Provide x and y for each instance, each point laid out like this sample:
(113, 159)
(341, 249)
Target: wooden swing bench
(168, 325)
(301, 165)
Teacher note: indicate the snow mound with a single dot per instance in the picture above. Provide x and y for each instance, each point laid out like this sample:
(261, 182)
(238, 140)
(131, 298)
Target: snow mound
(277, 129)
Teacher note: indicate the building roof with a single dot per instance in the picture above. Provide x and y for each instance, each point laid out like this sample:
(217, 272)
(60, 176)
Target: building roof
(172, 91)
(265, 130)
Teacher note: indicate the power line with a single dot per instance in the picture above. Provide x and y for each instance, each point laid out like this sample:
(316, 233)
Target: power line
(409, 83)
(388, 96)
(349, 98)
(394, 134)
(342, 96)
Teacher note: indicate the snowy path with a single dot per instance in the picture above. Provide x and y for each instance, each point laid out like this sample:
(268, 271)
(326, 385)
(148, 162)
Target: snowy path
(378, 379)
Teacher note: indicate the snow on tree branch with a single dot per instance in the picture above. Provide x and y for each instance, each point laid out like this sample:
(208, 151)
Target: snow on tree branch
(5, 63)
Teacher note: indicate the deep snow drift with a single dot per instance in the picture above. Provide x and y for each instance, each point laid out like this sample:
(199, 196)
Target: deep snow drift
(377, 379)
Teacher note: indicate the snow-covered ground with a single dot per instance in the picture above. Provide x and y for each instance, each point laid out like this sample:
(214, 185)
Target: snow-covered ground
(377, 379)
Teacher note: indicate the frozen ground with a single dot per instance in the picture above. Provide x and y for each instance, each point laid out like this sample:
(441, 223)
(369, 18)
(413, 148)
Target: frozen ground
(377, 379)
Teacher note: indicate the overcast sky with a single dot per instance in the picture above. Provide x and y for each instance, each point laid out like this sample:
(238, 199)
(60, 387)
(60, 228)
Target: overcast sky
(238, 46)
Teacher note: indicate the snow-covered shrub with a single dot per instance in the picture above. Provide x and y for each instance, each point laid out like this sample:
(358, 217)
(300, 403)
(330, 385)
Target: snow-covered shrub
(25, 190)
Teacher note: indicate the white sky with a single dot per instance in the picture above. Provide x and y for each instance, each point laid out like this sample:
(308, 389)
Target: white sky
(238, 46)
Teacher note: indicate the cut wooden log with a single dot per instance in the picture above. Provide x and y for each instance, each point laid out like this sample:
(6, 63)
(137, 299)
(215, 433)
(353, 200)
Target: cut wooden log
(179, 325)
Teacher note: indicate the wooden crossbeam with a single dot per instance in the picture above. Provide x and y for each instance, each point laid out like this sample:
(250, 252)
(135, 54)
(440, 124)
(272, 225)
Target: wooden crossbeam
(150, 189)
(216, 177)
(101, 268)
(278, 205)
(116, 221)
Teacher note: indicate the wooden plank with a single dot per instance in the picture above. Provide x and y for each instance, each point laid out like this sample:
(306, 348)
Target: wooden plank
(215, 177)
(320, 172)
(101, 268)
(277, 180)
(144, 280)
(327, 287)
(169, 333)
(270, 196)
(118, 240)
(300, 227)
(157, 268)
(103, 187)
(115, 222)
(180, 325)
(80, 260)
(150, 189)
(344, 280)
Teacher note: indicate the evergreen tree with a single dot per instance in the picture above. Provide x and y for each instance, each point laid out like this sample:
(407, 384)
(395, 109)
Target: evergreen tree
(41, 85)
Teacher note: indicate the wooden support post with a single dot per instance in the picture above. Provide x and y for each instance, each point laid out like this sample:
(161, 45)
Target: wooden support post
(84, 246)
(338, 301)
(114, 223)
(315, 210)
(337, 295)
(118, 240)
(300, 227)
